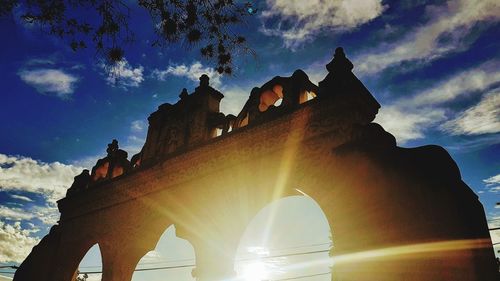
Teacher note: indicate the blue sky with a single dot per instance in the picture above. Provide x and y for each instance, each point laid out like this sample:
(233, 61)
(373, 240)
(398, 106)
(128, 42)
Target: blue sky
(434, 66)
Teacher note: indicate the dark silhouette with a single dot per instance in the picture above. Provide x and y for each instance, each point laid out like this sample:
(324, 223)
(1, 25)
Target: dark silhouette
(407, 205)
(194, 119)
(80, 183)
(113, 165)
(260, 106)
(208, 24)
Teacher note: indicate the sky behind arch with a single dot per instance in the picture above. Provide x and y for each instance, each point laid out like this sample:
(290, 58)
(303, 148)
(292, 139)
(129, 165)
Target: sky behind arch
(433, 66)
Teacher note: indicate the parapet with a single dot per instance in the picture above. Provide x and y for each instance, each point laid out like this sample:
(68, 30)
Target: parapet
(196, 118)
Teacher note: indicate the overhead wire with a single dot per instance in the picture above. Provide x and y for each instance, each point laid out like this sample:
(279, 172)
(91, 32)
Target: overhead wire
(302, 276)
(193, 265)
(247, 257)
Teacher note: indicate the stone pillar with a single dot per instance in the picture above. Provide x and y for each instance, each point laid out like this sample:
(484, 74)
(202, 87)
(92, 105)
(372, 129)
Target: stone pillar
(215, 252)
(214, 263)
(119, 261)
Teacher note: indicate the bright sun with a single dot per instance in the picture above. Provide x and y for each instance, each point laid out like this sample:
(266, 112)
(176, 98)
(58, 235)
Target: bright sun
(255, 271)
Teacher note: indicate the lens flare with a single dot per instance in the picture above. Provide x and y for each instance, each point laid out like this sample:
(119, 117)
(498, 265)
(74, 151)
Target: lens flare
(255, 271)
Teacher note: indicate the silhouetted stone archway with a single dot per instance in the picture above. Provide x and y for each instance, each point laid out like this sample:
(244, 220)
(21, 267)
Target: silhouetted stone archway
(271, 249)
(397, 213)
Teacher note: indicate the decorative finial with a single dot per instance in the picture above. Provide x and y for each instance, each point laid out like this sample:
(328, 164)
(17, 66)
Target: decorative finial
(204, 80)
(184, 94)
(339, 63)
(339, 53)
(112, 147)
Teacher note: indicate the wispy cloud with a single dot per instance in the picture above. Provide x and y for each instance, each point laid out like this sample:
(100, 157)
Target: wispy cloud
(297, 22)
(22, 198)
(446, 32)
(493, 183)
(473, 144)
(50, 81)
(192, 72)
(482, 118)
(138, 126)
(41, 61)
(14, 214)
(477, 79)
(408, 125)
(123, 75)
(409, 118)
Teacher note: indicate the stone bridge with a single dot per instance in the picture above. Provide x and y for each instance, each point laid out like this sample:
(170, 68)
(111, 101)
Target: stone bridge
(395, 213)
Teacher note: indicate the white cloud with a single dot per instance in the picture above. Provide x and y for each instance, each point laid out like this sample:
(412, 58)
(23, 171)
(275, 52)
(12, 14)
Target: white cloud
(122, 74)
(468, 145)
(481, 118)
(192, 72)
(473, 80)
(50, 81)
(29, 175)
(300, 21)
(234, 100)
(137, 126)
(407, 125)
(22, 198)
(40, 61)
(15, 242)
(446, 32)
(14, 214)
(493, 183)
(492, 180)
(48, 214)
(408, 118)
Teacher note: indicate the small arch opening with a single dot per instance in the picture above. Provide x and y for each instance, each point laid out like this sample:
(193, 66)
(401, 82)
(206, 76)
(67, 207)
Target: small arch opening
(306, 96)
(218, 132)
(270, 97)
(90, 267)
(244, 122)
(288, 239)
(172, 259)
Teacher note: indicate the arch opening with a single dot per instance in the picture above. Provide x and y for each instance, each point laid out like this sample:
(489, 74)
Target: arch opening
(173, 258)
(306, 96)
(90, 267)
(288, 239)
(271, 97)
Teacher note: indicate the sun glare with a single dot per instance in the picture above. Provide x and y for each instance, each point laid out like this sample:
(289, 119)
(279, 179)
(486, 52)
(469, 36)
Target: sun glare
(255, 271)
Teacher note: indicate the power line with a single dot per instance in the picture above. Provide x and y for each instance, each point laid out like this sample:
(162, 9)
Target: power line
(303, 276)
(193, 265)
(288, 255)
(240, 259)
(144, 269)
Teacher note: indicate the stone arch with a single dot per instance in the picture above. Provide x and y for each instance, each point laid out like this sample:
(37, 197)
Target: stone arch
(271, 233)
(91, 262)
(69, 257)
(170, 251)
(271, 97)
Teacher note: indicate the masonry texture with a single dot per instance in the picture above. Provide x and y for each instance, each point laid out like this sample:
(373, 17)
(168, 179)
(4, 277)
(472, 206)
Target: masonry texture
(395, 213)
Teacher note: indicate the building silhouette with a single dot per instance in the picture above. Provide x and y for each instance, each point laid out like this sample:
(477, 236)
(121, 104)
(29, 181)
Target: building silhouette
(395, 213)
